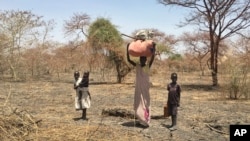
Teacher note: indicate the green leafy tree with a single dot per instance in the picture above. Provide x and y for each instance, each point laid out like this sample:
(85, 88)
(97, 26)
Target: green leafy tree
(174, 56)
(104, 38)
(197, 44)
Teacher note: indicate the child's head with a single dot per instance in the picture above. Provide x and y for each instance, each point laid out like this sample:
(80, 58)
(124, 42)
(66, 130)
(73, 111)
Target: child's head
(86, 74)
(174, 77)
(76, 75)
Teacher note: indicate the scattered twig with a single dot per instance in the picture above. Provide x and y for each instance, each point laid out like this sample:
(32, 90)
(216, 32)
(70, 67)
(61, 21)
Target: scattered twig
(6, 101)
(17, 125)
(209, 126)
(38, 121)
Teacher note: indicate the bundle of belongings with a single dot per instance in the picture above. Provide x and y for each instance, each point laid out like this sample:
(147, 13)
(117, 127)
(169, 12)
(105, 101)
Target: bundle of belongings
(143, 45)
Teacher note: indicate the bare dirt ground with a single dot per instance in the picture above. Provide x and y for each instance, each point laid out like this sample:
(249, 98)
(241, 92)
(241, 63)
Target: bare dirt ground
(204, 114)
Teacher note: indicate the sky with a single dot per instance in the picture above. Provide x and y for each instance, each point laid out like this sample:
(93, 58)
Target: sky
(127, 15)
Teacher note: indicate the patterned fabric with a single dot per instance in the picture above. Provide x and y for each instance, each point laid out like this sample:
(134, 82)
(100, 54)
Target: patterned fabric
(142, 97)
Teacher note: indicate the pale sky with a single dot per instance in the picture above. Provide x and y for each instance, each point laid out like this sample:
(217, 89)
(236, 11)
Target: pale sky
(127, 15)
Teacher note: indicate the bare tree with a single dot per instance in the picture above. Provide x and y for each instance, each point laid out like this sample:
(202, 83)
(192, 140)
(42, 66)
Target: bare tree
(220, 18)
(238, 67)
(77, 25)
(77, 28)
(3, 44)
(164, 43)
(189, 64)
(43, 46)
(198, 45)
(19, 28)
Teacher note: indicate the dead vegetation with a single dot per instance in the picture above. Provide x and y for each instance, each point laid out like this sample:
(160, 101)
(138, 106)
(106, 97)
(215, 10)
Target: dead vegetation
(17, 125)
(44, 111)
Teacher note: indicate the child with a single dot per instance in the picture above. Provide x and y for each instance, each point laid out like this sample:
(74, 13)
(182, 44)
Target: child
(82, 101)
(174, 94)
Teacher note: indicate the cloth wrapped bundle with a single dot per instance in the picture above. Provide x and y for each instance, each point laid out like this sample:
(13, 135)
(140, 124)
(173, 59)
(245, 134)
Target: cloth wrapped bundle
(141, 48)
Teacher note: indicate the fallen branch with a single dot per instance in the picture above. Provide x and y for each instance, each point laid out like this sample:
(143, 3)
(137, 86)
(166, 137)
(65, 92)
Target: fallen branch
(212, 128)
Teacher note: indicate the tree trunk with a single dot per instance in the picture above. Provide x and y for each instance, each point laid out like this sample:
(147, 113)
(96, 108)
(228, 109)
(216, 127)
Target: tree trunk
(122, 68)
(118, 67)
(201, 68)
(214, 78)
(13, 71)
(214, 52)
(214, 62)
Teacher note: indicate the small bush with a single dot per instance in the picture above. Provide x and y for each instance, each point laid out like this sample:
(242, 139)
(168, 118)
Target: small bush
(238, 83)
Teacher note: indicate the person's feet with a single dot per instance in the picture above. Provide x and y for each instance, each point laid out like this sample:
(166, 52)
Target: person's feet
(169, 126)
(172, 128)
(84, 118)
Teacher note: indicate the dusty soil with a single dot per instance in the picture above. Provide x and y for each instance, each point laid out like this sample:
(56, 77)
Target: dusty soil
(204, 114)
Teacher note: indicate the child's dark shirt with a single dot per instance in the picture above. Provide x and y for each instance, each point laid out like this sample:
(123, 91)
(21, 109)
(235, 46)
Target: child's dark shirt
(174, 93)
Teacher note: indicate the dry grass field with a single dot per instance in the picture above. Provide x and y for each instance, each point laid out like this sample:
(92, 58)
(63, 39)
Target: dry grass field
(44, 111)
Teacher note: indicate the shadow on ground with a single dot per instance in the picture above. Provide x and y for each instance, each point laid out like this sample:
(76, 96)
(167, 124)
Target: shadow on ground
(204, 87)
(134, 124)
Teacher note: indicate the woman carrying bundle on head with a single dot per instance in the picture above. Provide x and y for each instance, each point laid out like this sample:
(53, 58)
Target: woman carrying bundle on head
(142, 85)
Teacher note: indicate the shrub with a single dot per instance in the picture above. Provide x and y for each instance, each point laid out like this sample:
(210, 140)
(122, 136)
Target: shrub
(238, 83)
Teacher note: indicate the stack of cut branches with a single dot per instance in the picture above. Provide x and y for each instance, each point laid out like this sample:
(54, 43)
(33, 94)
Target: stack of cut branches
(16, 125)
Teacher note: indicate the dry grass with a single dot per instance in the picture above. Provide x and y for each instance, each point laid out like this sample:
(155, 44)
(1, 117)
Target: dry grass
(44, 111)
(17, 125)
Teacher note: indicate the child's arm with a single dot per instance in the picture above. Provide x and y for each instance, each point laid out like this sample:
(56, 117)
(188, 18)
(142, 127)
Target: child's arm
(128, 58)
(89, 95)
(75, 87)
(151, 60)
(153, 56)
(168, 88)
(76, 84)
(179, 95)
